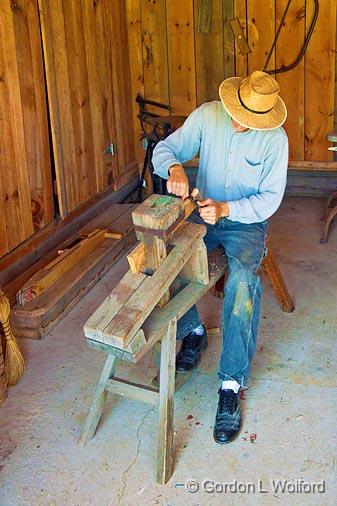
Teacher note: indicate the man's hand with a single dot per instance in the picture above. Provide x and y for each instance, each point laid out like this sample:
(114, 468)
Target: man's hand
(210, 210)
(177, 182)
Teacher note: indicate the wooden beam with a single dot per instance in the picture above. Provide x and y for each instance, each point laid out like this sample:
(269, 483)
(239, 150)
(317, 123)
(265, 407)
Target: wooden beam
(132, 390)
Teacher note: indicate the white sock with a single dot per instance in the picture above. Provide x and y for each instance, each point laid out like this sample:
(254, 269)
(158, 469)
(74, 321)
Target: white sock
(230, 384)
(199, 331)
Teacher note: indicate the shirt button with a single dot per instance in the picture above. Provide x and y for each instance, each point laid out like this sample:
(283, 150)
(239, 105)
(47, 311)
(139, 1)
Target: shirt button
(227, 187)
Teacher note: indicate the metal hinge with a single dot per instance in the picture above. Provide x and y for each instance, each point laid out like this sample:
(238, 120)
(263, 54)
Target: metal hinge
(110, 149)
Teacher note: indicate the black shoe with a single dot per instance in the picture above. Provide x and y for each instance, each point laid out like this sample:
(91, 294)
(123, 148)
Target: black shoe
(228, 417)
(190, 352)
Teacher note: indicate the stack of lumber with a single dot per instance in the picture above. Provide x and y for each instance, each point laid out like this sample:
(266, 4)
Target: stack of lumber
(42, 294)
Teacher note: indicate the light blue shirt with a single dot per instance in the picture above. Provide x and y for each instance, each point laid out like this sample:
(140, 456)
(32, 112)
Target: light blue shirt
(248, 170)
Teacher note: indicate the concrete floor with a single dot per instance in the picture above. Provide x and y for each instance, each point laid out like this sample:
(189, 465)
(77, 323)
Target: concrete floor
(290, 404)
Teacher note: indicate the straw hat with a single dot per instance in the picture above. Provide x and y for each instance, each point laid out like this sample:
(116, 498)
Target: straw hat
(254, 101)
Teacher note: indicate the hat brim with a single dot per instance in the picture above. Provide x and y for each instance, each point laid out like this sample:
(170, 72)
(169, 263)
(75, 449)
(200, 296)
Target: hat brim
(228, 92)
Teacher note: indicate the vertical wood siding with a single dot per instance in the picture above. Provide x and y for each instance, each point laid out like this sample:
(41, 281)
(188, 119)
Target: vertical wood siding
(26, 202)
(88, 77)
(182, 67)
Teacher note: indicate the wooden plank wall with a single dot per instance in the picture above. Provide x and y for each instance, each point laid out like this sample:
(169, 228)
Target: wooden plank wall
(88, 78)
(26, 202)
(173, 62)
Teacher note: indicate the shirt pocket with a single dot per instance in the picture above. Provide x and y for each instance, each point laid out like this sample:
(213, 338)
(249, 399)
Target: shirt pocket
(250, 172)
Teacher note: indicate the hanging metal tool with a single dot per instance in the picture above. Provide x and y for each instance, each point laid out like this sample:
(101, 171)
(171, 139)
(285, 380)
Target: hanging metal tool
(305, 44)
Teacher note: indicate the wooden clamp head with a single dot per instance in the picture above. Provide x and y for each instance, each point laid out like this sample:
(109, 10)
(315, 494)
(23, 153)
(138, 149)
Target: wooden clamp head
(158, 215)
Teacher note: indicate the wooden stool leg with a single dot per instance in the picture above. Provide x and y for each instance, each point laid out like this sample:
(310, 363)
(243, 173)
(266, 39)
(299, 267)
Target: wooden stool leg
(329, 218)
(219, 287)
(166, 404)
(275, 276)
(96, 408)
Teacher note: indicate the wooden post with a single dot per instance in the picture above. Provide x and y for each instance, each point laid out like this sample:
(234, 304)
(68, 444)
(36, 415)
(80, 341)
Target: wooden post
(196, 269)
(166, 404)
(96, 408)
(155, 254)
(153, 220)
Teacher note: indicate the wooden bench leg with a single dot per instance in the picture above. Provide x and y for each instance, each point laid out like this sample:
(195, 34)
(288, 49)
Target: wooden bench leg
(166, 404)
(276, 279)
(96, 408)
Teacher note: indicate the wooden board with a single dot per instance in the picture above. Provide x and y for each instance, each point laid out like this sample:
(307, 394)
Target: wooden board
(127, 166)
(289, 44)
(156, 324)
(66, 260)
(209, 60)
(181, 58)
(320, 81)
(261, 33)
(154, 43)
(134, 32)
(57, 232)
(241, 61)
(228, 39)
(95, 326)
(34, 109)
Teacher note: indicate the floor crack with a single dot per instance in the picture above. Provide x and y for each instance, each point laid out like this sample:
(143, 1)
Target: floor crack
(121, 491)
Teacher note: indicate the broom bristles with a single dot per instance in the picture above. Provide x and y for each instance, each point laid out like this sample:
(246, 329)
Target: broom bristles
(14, 363)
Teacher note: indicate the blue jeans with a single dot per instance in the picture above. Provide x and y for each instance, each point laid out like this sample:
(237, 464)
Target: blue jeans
(244, 245)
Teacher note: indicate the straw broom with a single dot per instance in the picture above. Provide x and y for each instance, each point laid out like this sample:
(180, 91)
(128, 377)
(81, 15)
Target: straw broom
(14, 363)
